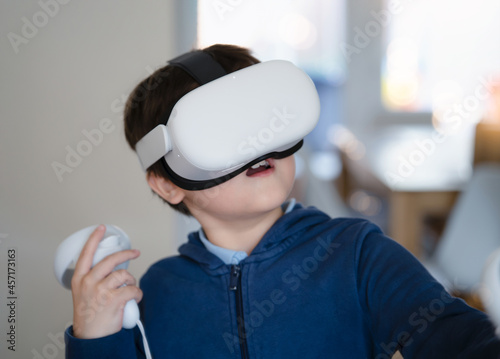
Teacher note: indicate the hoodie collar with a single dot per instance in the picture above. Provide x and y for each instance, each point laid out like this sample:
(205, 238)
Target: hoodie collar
(285, 231)
(229, 256)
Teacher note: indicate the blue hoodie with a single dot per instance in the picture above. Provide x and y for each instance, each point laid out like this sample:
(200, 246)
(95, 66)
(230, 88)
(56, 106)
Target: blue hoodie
(314, 287)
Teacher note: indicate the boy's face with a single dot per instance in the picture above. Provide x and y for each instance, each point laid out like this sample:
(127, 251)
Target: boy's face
(251, 193)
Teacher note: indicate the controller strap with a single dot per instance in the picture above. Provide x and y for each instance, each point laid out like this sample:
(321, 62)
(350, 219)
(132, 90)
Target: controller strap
(147, 351)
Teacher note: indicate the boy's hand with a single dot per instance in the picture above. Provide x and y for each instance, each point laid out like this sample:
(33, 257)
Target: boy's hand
(98, 295)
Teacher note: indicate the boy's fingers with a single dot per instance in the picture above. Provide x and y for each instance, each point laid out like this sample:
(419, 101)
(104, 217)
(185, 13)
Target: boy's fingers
(118, 279)
(84, 262)
(126, 293)
(104, 267)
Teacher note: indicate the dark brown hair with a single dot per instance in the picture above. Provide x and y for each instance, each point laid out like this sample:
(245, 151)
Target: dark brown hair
(153, 99)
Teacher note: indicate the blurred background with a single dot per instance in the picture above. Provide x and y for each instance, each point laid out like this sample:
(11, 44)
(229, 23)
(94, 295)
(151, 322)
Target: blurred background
(409, 134)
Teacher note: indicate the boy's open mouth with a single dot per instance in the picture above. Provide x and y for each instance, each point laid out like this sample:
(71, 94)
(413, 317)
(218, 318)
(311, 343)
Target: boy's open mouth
(262, 168)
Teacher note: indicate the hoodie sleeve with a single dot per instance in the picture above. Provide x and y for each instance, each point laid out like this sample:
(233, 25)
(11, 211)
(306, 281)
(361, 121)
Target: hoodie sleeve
(411, 312)
(126, 344)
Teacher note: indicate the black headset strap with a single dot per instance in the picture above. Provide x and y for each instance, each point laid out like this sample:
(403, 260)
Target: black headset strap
(200, 65)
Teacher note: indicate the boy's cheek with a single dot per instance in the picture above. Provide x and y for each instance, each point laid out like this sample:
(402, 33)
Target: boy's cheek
(204, 198)
(200, 201)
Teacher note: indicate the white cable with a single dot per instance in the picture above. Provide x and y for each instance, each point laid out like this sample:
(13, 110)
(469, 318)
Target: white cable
(144, 340)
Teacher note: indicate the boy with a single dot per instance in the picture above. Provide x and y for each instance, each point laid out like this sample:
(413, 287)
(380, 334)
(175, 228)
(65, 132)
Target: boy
(263, 279)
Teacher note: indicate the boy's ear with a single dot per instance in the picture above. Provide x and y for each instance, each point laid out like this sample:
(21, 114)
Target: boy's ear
(165, 189)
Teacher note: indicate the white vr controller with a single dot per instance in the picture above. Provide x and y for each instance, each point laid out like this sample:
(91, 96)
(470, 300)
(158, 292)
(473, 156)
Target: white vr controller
(67, 254)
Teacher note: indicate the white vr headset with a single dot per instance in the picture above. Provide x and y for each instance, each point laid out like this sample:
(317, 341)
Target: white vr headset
(232, 121)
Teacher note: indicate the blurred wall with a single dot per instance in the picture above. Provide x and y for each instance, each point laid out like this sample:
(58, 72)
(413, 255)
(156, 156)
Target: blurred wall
(66, 69)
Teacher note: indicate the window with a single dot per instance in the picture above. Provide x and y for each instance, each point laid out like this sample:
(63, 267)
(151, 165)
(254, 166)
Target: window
(437, 54)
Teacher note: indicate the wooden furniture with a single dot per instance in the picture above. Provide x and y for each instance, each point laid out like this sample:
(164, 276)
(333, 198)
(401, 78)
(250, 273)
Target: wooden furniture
(487, 142)
(408, 211)
(419, 172)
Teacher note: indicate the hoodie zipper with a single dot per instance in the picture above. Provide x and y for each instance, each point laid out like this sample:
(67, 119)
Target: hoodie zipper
(235, 285)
